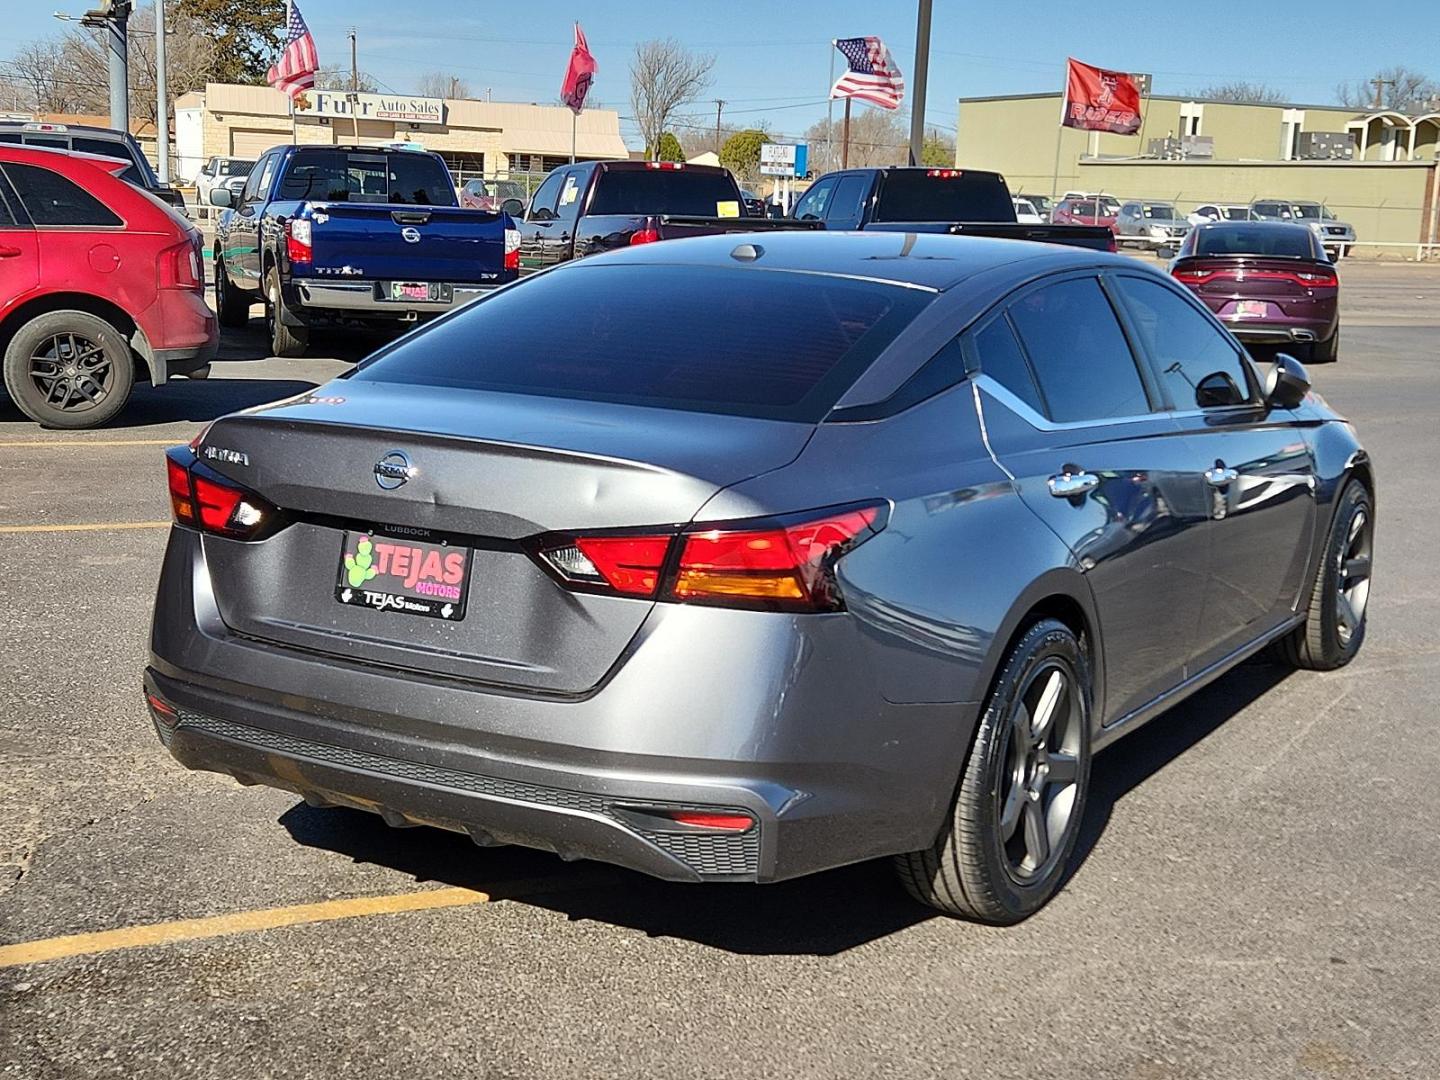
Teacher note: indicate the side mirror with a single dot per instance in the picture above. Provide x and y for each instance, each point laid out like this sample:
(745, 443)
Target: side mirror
(514, 207)
(1287, 383)
(220, 196)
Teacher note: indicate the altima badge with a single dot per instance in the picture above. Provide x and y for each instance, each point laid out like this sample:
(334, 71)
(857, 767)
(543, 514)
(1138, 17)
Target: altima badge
(392, 470)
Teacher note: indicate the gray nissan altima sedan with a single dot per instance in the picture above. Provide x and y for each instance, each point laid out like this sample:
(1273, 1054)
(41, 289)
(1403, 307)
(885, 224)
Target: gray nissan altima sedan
(738, 558)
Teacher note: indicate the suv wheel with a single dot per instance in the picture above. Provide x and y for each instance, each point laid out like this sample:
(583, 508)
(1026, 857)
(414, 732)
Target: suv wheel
(1016, 815)
(285, 340)
(1334, 626)
(69, 369)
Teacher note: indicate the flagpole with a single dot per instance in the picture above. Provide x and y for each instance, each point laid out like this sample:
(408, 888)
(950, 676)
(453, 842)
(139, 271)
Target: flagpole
(845, 138)
(294, 129)
(572, 136)
(1059, 134)
(830, 114)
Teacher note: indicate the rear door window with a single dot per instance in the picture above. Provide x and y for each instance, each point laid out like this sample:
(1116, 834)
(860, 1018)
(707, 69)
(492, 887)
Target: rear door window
(1078, 352)
(51, 199)
(783, 346)
(943, 195)
(683, 192)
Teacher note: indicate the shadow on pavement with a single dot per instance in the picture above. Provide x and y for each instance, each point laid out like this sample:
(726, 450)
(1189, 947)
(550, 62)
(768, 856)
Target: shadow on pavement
(821, 915)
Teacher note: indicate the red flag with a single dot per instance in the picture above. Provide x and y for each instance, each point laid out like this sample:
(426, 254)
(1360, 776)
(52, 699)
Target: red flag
(1100, 100)
(579, 75)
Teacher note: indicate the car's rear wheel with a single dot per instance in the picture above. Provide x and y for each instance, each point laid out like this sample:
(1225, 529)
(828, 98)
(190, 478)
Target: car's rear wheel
(285, 340)
(1334, 626)
(1327, 351)
(232, 305)
(1015, 817)
(69, 369)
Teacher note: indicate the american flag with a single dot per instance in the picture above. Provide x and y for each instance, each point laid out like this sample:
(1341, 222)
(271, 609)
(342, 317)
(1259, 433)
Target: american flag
(295, 73)
(872, 77)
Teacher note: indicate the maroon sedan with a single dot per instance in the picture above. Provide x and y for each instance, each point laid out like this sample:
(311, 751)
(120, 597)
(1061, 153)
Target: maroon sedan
(1271, 283)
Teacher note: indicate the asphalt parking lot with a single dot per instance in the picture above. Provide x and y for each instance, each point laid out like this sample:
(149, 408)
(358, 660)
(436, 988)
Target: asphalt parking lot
(1257, 894)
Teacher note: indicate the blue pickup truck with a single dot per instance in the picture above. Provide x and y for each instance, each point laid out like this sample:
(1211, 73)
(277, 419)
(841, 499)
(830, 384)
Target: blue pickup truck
(348, 235)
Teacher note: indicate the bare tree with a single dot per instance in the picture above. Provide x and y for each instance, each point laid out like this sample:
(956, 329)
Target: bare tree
(41, 69)
(1402, 89)
(442, 84)
(1241, 92)
(338, 78)
(877, 137)
(664, 77)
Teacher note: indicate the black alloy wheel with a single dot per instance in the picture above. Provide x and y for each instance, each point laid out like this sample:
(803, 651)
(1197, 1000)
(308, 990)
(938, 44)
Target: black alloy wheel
(69, 369)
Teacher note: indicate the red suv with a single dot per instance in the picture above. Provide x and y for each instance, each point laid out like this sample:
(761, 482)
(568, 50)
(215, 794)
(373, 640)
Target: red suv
(1089, 210)
(100, 284)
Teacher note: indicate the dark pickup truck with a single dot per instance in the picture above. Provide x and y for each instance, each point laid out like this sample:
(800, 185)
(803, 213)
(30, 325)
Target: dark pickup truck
(596, 206)
(352, 235)
(967, 202)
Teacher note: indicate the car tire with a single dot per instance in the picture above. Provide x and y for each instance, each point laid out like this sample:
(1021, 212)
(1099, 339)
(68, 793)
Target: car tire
(232, 305)
(1327, 351)
(69, 369)
(1016, 814)
(285, 340)
(1334, 626)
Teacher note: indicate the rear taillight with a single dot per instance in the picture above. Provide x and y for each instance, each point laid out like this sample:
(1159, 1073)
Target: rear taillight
(945, 174)
(776, 564)
(298, 246)
(709, 819)
(646, 234)
(1307, 279)
(1110, 245)
(180, 267)
(512, 249)
(1193, 277)
(203, 499)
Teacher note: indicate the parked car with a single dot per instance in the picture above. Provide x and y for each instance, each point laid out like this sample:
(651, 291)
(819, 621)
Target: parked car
(480, 194)
(1097, 211)
(1269, 282)
(101, 285)
(351, 235)
(1334, 234)
(595, 206)
(754, 204)
(1026, 212)
(1219, 212)
(228, 172)
(757, 562)
(1154, 225)
(972, 202)
(1041, 203)
(106, 142)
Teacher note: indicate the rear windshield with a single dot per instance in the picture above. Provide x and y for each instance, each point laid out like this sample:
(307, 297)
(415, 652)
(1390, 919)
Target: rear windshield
(403, 178)
(1284, 242)
(683, 192)
(232, 167)
(782, 346)
(1160, 212)
(912, 195)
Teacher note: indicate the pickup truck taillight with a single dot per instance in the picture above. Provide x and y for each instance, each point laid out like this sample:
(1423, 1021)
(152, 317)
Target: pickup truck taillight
(512, 249)
(297, 241)
(646, 234)
(180, 267)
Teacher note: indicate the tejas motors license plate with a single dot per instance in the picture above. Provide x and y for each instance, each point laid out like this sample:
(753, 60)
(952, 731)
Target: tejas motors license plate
(403, 576)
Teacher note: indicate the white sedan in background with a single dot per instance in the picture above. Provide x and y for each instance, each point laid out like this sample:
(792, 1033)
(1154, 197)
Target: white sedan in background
(1026, 214)
(1208, 212)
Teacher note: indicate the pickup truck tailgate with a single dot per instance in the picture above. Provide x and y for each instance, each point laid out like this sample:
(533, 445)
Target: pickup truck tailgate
(376, 241)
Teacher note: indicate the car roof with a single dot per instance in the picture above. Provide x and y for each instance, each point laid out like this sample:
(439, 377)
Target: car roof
(48, 155)
(930, 261)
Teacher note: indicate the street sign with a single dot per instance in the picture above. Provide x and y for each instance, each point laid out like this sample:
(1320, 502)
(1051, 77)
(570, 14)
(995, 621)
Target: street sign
(784, 159)
(1142, 82)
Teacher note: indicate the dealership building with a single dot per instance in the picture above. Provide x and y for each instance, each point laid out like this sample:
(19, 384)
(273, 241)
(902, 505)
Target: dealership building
(1377, 171)
(476, 138)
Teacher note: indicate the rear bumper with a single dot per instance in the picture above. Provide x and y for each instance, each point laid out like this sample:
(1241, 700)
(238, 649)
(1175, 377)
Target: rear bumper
(1298, 332)
(775, 716)
(363, 298)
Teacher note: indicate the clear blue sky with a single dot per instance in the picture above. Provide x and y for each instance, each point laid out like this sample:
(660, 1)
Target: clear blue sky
(772, 58)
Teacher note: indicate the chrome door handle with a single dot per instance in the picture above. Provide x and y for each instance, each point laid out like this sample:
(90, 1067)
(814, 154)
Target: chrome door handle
(1070, 484)
(1219, 476)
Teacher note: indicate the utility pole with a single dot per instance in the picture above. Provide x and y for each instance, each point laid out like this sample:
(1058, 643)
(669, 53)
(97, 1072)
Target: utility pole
(1380, 85)
(162, 96)
(354, 65)
(922, 73)
(454, 86)
(719, 104)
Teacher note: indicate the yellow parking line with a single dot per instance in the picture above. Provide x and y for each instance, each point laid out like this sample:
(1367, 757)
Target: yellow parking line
(136, 937)
(67, 444)
(99, 526)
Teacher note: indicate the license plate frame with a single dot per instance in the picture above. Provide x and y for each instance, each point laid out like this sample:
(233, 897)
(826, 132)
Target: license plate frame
(368, 576)
(413, 292)
(1252, 309)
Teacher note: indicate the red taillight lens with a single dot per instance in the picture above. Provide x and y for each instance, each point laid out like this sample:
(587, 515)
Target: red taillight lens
(711, 820)
(1319, 280)
(945, 174)
(202, 498)
(648, 235)
(1193, 277)
(786, 564)
(179, 267)
(162, 710)
(298, 237)
(512, 249)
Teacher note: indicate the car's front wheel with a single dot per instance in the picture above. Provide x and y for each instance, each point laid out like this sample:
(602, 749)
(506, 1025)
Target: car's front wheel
(1334, 626)
(69, 369)
(1015, 817)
